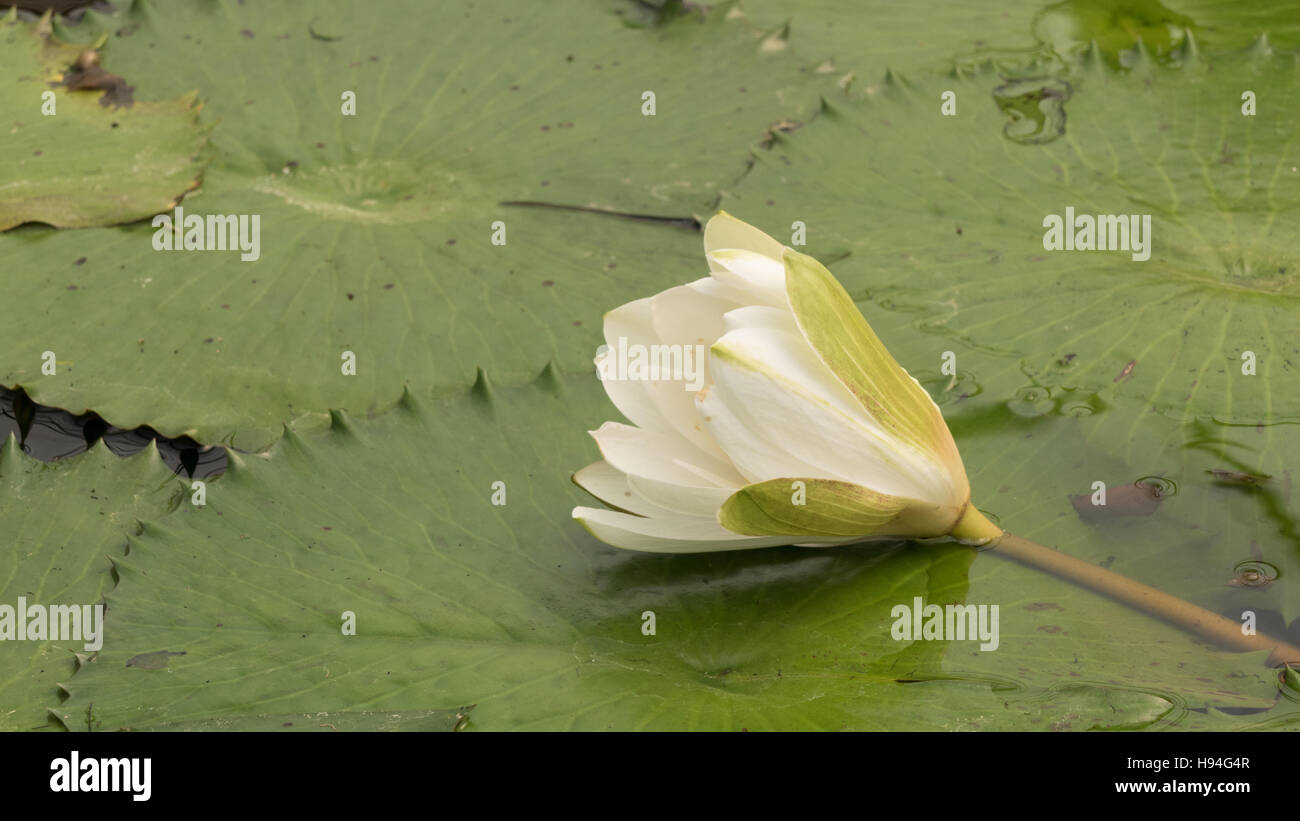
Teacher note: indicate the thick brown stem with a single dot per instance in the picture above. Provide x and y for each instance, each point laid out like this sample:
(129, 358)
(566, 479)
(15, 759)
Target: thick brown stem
(1142, 597)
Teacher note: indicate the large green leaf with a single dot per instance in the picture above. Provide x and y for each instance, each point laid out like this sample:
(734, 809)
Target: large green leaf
(63, 524)
(1070, 28)
(943, 217)
(862, 39)
(376, 229)
(514, 609)
(511, 616)
(1029, 449)
(90, 155)
(1197, 545)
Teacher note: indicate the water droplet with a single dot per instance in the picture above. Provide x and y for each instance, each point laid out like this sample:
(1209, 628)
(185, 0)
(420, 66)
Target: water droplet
(1160, 486)
(1031, 401)
(1253, 573)
(945, 390)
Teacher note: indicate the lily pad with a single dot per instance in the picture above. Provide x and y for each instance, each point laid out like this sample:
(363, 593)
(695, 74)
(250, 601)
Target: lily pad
(514, 608)
(80, 151)
(427, 234)
(417, 567)
(946, 218)
(65, 523)
(863, 39)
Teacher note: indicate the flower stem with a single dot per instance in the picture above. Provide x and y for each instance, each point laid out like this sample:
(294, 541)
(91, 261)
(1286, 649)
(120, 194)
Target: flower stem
(1142, 597)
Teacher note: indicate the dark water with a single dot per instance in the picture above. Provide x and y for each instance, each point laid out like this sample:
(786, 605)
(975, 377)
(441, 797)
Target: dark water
(48, 434)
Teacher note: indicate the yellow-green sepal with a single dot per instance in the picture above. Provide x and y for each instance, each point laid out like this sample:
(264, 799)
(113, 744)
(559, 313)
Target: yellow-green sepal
(837, 331)
(808, 509)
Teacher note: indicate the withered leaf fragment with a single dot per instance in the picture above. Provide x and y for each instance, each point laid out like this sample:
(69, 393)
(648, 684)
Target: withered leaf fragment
(86, 75)
(1137, 499)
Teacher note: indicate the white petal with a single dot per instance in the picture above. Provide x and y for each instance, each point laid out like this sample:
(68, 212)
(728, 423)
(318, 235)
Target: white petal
(791, 405)
(709, 286)
(608, 484)
(761, 316)
(662, 404)
(758, 335)
(761, 278)
(693, 501)
(756, 458)
(635, 322)
(662, 457)
(691, 314)
(649, 497)
(725, 231)
(677, 534)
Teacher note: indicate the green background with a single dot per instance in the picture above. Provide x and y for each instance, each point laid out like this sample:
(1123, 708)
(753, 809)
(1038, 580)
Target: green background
(372, 494)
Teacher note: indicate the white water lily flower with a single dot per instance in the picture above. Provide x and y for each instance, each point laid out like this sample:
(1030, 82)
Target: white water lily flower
(803, 430)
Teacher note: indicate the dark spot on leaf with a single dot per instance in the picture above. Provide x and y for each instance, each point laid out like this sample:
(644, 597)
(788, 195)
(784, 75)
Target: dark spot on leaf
(324, 38)
(247, 33)
(80, 261)
(349, 296)
(388, 287)
(546, 283)
(86, 75)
